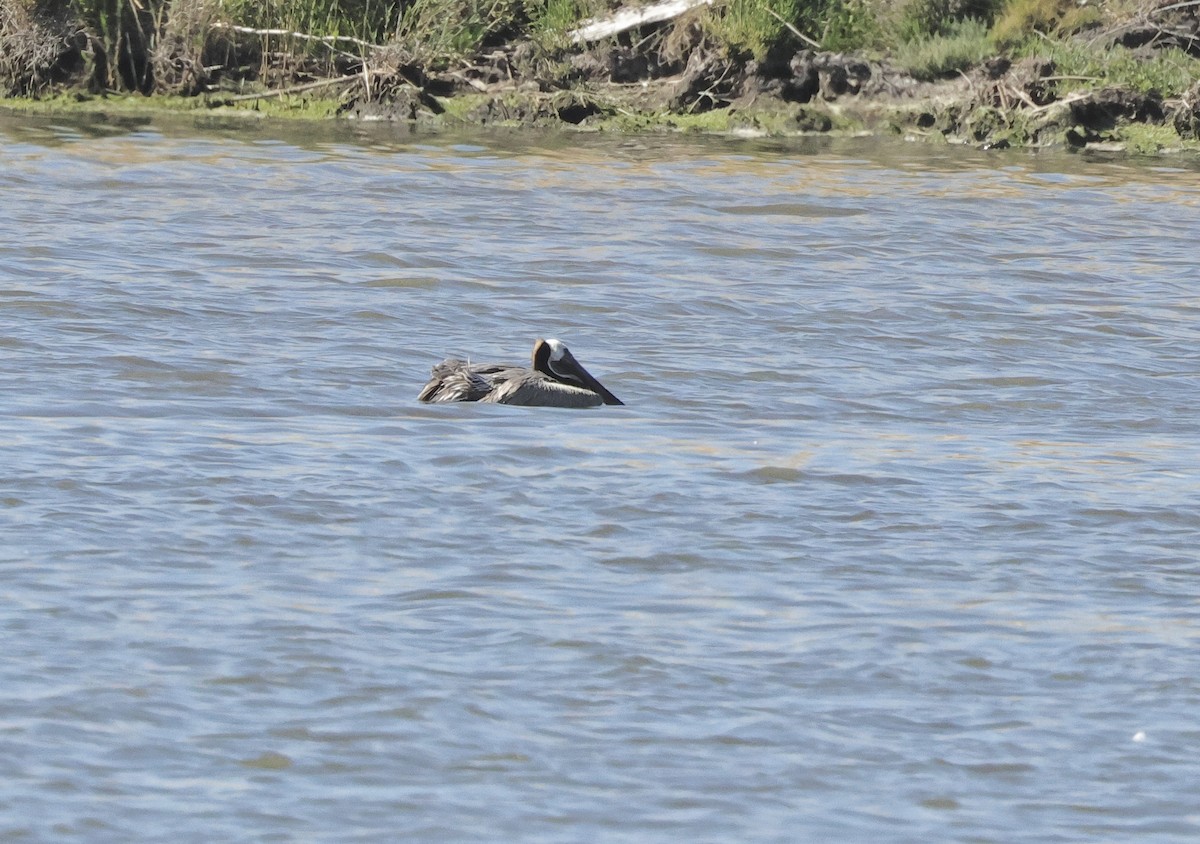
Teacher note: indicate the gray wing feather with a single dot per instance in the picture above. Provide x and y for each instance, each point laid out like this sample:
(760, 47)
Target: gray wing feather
(454, 380)
(533, 389)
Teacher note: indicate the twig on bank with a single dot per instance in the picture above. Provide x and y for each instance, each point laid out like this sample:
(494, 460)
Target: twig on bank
(639, 45)
(297, 89)
(474, 83)
(710, 90)
(1173, 7)
(327, 40)
(1064, 101)
(1023, 97)
(816, 45)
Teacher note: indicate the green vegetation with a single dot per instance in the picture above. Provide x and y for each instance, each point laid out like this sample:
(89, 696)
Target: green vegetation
(956, 48)
(440, 30)
(295, 108)
(925, 18)
(1144, 139)
(368, 20)
(852, 25)
(551, 20)
(755, 27)
(751, 26)
(1021, 18)
(1079, 64)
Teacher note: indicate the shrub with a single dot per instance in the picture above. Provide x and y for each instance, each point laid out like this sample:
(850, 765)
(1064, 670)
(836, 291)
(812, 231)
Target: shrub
(851, 25)
(31, 49)
(1024, 17)
(370, 20)
(178, 54)
(923, 18)
(1169, 71)
(756, 27)
(438, 30)
(964, 44)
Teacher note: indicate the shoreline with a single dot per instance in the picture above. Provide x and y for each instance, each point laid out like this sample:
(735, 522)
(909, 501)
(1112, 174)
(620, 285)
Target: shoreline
(637, 80)
(1095, 121)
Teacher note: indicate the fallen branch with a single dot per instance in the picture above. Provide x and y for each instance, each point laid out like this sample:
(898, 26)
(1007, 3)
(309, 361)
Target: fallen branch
(1162, 9)
(474, 83)
(1065, 101)
(593, 29)
(295, 89)
(816, 45)
(327, 40)
(1023, 97)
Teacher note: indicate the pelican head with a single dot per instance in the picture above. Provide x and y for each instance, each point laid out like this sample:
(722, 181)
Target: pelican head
(554, 360)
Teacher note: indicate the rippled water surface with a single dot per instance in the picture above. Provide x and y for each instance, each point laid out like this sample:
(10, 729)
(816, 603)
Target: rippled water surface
(895, 540)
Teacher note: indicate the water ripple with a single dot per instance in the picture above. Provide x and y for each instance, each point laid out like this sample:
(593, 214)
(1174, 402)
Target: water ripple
(894, 537)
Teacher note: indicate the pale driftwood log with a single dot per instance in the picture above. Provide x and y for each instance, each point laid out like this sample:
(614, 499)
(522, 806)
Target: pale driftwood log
(593, 29)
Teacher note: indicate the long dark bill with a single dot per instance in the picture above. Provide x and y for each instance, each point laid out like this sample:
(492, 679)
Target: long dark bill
(584, 377)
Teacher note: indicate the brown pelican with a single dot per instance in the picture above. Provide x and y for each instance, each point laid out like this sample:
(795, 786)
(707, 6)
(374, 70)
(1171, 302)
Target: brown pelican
(556, 380)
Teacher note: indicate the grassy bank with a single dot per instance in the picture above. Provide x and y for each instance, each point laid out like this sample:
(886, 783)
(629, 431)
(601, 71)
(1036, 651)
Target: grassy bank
(986, 71)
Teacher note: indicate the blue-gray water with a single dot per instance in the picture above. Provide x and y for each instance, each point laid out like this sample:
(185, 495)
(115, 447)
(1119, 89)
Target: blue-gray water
(897, 538)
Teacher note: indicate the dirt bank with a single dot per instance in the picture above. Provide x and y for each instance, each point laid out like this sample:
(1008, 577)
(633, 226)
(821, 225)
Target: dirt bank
(999, 103)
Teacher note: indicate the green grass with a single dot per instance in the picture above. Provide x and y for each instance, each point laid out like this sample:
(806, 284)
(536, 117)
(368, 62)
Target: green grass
(756, 27)
(369, 20)
(748, 26)
(1145, 139)
(551, 20)
(923, 18)
(852, 25)
(438, 31)
(300, 108)
(1020, 18)
(963, 45)
(1169, 72)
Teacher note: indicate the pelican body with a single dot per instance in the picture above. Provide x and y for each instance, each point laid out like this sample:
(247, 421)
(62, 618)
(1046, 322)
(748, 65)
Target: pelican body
(556, 380)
